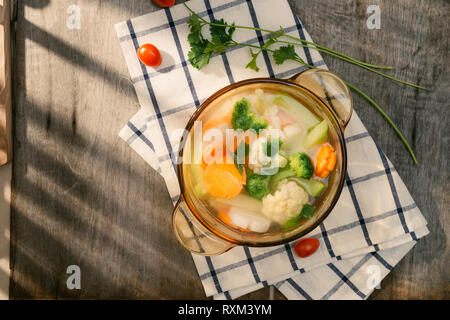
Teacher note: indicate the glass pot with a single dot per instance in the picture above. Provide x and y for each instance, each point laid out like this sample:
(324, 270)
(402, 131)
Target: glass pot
(325, 94)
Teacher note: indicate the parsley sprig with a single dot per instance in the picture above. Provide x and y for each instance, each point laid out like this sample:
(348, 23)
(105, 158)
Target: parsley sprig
(201, 48)
(221, 39)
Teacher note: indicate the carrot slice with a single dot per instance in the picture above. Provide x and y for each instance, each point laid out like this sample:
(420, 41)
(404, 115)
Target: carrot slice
(322, 174)
(215, 122)
(223, 180)
(325, 161)
(332, 162)
(223, 215)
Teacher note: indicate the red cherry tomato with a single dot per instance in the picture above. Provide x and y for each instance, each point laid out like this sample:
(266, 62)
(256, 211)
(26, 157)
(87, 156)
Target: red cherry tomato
(164, 3)
(149, 55)
(306, 247)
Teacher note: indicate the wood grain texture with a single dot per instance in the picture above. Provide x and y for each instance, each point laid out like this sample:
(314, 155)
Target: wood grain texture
(5, 85)
(414, 39)
(80, 196)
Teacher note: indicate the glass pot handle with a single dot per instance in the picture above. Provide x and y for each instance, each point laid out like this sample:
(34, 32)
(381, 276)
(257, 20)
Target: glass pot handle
(193, 235)
(331, 89)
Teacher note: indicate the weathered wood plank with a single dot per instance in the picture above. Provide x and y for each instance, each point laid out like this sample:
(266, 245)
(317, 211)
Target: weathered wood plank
(80, 196)
(414, 39)
(5, 85)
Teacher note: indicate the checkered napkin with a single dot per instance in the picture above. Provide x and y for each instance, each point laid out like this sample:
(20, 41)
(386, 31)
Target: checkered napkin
(375, 222)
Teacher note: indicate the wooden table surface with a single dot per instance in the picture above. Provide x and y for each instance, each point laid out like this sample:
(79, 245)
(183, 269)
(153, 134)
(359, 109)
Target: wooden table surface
(82, 196)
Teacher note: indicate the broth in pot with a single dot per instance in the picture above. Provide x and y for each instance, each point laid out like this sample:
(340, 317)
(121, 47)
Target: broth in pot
(261, 161)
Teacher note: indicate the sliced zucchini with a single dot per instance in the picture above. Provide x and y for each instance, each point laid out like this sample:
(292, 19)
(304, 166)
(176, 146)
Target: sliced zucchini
(313, 187)
(304, 114)
(317, 135)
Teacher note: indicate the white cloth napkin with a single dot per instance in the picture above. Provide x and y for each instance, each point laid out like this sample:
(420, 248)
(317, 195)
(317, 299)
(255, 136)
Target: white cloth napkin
(375, 222)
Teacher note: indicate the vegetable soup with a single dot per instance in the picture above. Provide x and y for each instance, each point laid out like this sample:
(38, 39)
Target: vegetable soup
(263, 161)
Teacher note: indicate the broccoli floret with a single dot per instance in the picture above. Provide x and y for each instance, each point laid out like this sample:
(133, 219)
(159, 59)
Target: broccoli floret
(242, 118)
(257, 185)
(302, 165)
(258, 124)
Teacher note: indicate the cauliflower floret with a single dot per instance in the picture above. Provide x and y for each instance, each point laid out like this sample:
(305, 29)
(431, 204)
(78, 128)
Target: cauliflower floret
(259, 162)
(285, 203)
